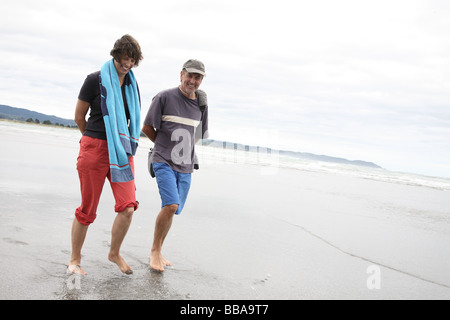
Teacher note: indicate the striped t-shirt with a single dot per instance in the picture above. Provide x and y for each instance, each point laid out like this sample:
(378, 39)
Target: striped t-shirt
(177, 121)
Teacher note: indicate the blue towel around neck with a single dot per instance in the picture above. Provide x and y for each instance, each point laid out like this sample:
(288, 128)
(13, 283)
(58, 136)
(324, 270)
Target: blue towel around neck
(122, 142)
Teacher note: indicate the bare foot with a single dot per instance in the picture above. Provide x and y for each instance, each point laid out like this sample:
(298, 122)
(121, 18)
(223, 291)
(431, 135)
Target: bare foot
(123, 266)
(167, 262)
(157, 262)
(76, 269)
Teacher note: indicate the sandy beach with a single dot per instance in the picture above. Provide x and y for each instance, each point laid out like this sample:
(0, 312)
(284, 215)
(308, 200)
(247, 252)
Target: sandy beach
(244, 234)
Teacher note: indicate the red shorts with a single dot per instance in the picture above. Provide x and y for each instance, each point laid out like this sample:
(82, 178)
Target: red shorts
(93, 168)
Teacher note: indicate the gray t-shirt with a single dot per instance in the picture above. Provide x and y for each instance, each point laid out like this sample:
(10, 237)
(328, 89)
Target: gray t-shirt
(177, 121)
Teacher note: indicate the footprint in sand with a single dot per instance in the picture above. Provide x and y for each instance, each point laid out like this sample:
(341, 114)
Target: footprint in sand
(13, 241)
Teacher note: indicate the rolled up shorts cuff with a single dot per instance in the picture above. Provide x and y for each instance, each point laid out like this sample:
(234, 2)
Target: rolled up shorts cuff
(84, 218)
(122, 207)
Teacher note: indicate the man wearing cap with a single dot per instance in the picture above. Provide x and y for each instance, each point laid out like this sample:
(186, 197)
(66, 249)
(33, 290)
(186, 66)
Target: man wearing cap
(177, 118)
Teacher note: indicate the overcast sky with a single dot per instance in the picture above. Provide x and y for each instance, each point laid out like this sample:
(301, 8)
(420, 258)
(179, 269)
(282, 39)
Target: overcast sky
(366, 80)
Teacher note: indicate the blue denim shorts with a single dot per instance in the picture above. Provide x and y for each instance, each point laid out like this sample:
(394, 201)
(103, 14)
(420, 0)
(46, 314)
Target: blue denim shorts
(173, 186)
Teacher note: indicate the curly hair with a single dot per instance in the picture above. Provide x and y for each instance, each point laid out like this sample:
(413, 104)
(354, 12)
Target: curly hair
(127, 45)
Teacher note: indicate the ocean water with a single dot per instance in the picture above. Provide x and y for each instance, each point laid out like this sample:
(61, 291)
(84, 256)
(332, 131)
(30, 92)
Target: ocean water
(271, 161)
(256, 226)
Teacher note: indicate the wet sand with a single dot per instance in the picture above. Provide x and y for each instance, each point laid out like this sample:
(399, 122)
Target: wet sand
(242, 235)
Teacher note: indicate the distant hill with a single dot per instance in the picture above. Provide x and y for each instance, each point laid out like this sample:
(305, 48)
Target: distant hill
(298, 155)
(325, 158)
(11, 113)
